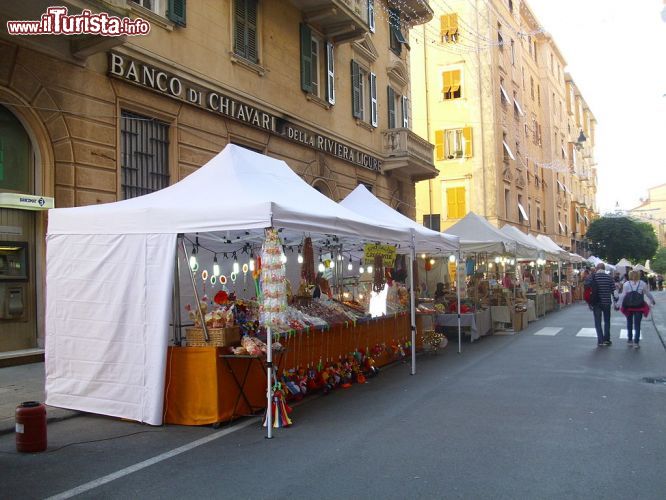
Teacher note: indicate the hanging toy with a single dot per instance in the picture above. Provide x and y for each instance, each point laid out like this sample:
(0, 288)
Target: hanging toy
(280, 408)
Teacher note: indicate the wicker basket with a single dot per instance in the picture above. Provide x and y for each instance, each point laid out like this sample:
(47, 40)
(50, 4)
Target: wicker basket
(218, 337)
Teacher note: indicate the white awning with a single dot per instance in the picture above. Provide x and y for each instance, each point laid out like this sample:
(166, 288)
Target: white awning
(522, 212)
(517, 104)
(561, 186)
(561, 226)
(504, 93)
(564, 153)
(507, 150)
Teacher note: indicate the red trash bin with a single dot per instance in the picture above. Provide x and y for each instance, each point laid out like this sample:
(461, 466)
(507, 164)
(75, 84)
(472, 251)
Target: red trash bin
(30, 427)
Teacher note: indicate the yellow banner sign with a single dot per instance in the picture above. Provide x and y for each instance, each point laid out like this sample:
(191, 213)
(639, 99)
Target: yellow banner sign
(387, 253)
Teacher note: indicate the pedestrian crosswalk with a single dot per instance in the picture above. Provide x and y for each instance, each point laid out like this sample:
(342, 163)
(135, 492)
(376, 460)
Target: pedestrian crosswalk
(551, 331)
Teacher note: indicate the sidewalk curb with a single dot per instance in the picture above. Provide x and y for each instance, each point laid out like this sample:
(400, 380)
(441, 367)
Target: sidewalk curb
(654, 324)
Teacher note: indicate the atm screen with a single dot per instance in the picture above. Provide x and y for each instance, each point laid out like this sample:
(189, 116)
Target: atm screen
(13, 260)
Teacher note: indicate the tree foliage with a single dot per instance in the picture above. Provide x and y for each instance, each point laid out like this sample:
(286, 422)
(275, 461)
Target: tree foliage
(658, 264)
(614, 238)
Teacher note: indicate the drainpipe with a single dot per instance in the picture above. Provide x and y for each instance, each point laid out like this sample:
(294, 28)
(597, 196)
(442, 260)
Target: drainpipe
(478, 83)
(427, 99)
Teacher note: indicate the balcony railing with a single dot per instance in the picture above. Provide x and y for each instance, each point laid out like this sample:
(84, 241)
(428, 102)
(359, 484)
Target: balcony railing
(404, 149)
(338, 20)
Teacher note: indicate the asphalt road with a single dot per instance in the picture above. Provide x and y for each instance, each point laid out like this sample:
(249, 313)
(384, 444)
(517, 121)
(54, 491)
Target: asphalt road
(520, 416)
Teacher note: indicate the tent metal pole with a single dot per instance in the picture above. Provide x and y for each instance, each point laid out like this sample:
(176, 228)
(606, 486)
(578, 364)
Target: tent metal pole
(559, 288)
(196, 294)
(412, 304)
(176, 300)
(269, 384)
(458, 298)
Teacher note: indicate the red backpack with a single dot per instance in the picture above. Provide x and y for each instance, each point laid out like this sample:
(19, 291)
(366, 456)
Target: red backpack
(591, 292)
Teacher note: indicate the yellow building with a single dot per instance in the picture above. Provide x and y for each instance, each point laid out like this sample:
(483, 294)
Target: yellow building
(495, 106)
(653, 210)
(90, 119)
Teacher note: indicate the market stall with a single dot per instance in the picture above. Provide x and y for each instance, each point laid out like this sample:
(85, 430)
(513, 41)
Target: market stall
(362, 201)
(110, 273)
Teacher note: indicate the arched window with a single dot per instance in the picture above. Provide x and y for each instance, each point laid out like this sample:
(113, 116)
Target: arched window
(15, 154)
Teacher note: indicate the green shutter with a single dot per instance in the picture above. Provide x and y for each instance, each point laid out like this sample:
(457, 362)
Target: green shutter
(176, 11)
(240, 28)
(251, 37)
(357, 111)
(306, 58)
(391, 108)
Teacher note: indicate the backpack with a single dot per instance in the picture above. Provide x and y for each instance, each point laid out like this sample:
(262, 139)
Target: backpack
(591, 292)
(633, 300)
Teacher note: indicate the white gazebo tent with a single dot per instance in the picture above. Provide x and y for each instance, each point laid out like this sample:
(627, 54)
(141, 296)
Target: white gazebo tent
(478, 235)
(529, 250)
(562, 255)
(362, 201)
(110, 268)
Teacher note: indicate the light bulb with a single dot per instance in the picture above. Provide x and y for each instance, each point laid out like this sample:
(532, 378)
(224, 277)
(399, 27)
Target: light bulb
(236, 267)
(216, 267)
(452, 258)
(321, 267)
(497, 260)
(331, 264)
(193, 262)
(339, 256)
(361, 270)
(350, 266)
(423, 256)
(360, 296)
(251, 264)
(300, 258)
(432, 262)
(283, 258)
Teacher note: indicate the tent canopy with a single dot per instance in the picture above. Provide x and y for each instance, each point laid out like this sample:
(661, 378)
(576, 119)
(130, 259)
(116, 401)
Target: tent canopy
(110, 270)
(362, 201)
(548, 254)
(553, 247)
(624, 263)
(237, 191)
(478, 235)
(529, 249)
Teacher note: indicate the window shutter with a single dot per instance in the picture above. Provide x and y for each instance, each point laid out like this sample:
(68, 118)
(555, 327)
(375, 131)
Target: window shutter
(405, 111)
(460, 201)
(391, 108)
(252, 53)
(240, 47)
(453, 24)
(444, 25)
(330, 71)
(306, 58)
(455, 81)
(467, 136)
(357, 110)
(176, 11)
(371, 15)
(451, 203)
(439, 144)
(446, 82)
(373, 99)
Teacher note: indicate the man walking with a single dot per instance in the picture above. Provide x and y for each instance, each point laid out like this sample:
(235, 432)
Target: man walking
(602, 305)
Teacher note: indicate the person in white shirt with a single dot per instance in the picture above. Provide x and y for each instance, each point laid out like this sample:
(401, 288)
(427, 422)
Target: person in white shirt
(633, 305)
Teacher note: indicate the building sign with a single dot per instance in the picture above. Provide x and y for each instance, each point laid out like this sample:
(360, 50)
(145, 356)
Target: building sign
(144, 75)
(25, 201)
(387, 252)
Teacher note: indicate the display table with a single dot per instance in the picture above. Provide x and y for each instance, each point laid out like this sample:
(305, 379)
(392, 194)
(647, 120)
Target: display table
(539, 299)
(550, 302)
(500, 314)
(479, 323)
(531, 311)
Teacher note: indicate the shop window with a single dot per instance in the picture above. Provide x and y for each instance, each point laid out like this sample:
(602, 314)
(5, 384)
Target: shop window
(245, 30)
(455, 203)
(144, 155)
(432, 221)
(15, 154)
(451, 89)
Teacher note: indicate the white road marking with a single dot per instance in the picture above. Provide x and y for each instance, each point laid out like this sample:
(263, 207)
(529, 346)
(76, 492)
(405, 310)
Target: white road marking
(587, 332)
(147, 463)
(549, 330)
(623, 333)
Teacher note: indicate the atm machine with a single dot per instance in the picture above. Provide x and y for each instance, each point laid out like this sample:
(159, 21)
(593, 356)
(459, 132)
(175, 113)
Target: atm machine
(13, 280)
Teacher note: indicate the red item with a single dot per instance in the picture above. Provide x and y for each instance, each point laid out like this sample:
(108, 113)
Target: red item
(221, 297)
(645, 309)
(30, 427)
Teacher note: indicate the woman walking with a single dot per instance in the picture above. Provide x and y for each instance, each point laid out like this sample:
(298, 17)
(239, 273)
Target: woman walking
(633, 305)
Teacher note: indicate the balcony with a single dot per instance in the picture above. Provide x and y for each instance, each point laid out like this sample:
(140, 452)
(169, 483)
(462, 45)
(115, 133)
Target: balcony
(404, 149)
(338, 20)
(76, 46)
